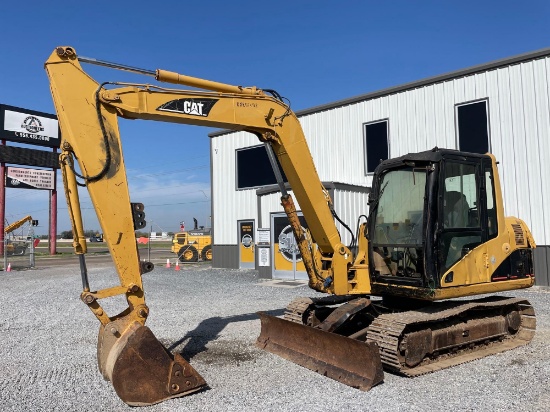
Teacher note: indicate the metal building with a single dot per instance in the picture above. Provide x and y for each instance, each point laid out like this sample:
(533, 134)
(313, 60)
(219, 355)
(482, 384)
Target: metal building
(502, 107)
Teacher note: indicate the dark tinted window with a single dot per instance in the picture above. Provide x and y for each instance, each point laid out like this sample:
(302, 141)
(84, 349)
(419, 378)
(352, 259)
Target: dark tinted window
(376, 144)
(473, 131)
(254, 169)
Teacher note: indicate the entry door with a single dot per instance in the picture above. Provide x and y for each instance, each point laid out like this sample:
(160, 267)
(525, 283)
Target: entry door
(287, 260)
(246, 244)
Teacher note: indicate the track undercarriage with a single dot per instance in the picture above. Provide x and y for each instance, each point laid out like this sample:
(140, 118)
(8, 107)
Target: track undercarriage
(425, 337)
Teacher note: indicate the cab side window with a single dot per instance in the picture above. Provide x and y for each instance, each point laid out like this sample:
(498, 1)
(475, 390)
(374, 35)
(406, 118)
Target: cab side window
(461, 225)
(460, 196)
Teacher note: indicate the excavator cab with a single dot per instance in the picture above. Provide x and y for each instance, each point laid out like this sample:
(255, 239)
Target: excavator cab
(450, 194)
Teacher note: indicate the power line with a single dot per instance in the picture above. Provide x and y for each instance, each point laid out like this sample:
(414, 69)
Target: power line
(167, 164)
(170, 187)
(163, 204)
(182, 203)
(171, 172)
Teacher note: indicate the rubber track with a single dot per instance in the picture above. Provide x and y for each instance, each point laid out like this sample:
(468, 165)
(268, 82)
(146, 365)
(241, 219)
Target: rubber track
(387, 331)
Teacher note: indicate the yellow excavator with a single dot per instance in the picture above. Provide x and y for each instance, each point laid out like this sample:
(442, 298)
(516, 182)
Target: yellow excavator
(435, 234)
(17, 224)
(14, 247)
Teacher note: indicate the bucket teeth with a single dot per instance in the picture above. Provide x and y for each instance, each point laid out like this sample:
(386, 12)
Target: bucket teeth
(145, 373)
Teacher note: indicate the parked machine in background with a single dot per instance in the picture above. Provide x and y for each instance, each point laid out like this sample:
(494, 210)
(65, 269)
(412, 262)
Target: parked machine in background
(13, 245)
(435, 231)
(98, 237)
(192, 244)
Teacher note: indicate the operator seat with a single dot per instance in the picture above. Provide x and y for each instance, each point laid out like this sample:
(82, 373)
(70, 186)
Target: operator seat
(456, 210)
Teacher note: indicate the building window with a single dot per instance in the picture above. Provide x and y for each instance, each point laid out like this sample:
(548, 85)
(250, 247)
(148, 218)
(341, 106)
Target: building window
(376, 144)
(254, 169)
(473, 127)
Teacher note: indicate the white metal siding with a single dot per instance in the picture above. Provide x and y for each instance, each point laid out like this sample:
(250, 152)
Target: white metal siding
(419, 119)
(349, 206)
(229, 204)
(335, 138)
(271, 203)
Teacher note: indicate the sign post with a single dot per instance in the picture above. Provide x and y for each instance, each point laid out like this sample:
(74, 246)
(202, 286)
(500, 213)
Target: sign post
(2, 202)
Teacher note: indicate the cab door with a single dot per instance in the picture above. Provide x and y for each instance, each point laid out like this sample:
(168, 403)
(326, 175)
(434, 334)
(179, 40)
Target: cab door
(461, 231)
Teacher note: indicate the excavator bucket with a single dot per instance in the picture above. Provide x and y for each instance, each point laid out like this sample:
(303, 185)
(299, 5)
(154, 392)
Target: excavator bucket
(141, 370)
(349, 361)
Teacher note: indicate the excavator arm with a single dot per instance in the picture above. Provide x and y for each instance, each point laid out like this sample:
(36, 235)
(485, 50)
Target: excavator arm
(129, 355)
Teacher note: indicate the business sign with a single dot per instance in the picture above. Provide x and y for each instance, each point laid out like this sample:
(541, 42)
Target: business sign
(23, 178)
(28, 126)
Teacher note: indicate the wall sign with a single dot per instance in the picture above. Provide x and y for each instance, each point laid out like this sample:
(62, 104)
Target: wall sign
(263, 256)
(263, 236)
(288, 246)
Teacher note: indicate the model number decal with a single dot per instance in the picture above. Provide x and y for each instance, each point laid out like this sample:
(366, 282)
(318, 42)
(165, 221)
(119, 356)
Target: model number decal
(193, 107)
(247, 104)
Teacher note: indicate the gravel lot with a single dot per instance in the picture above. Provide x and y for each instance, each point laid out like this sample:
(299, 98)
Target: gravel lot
(48, 351)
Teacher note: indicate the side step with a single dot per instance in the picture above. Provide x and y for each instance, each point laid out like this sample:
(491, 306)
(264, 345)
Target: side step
(349, 361)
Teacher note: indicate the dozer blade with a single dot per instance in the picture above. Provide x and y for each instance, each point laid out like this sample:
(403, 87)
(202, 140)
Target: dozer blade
(343, 359)
(141, 370)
